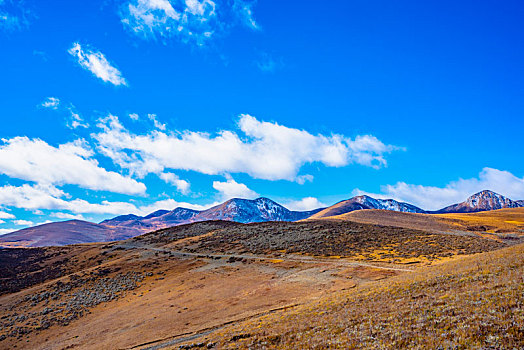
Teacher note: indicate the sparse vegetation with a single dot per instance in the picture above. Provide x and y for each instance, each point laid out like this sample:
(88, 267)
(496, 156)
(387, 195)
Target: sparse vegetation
(475, 302)
(207, 274)
(340, 238)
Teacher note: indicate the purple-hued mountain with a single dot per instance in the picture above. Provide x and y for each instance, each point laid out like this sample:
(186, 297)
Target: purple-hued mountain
(258, 210)
(239, 210)
(482, 201)
(66, 232)
(236, 209)
(130, 225)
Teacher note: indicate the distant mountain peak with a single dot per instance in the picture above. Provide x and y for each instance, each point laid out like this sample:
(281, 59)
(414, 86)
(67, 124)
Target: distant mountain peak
(251, 210)
(366, 202)
(482, 201)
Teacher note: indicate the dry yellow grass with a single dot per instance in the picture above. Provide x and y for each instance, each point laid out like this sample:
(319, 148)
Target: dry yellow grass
(495, 221)
(469, 303)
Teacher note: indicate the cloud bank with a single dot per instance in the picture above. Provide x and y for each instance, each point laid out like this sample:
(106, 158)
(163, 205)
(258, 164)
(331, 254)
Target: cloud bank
(262, 150)
(70, 163)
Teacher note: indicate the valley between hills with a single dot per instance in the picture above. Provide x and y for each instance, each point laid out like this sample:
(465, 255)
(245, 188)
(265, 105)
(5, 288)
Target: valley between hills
(363, 279)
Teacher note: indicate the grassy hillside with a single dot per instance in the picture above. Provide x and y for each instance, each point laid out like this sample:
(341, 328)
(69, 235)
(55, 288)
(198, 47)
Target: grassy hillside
(470, 303)
(194, 280)
(505, 223)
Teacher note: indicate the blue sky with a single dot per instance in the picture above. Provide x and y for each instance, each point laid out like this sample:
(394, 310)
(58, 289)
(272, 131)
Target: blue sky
(110, 107)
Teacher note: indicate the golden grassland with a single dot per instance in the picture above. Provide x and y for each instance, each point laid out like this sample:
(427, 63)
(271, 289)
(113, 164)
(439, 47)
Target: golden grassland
(469, 303)
(495, 224)
(195, 280)
(495, 221)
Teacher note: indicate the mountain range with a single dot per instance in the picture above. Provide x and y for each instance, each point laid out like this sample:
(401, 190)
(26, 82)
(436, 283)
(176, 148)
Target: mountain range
(236, 209)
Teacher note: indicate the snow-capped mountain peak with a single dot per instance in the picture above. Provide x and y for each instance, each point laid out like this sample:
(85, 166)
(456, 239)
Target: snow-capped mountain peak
(482, 201)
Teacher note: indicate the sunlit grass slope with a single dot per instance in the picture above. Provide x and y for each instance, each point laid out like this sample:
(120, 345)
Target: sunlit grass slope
(473, 302)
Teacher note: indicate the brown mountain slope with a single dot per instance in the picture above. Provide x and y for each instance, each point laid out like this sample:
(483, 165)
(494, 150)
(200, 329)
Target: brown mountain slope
(471, 303)
(195, 278)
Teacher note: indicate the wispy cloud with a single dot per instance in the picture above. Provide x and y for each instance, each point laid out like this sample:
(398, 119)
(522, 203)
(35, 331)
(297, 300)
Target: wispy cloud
(263, 150)
(96, 62)
(158, 125)
(189, 21)
(268, 63)
(51, 102)
(434, 198)
(74, 120)
(244, 10)
(13, 15)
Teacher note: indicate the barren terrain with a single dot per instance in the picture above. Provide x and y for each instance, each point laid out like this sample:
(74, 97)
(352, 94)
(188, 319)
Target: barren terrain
(178, 285)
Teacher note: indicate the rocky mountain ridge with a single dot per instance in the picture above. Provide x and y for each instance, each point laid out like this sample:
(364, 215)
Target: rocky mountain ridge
(482, 201)
(236, 209)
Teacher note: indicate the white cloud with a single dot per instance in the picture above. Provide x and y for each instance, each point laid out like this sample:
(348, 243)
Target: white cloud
(232, 189)
(43, 223)
(23, 222)
(68, 216)
(133, 116)
(181, 185)
(2, 222)
(51, 102)
(156, 123)
(263, 150)
(434, 198)
(302, 179)
(305, 204)
(69, 163)
(4, 215)
(170, 204)
(74, 120)
(189, 20)
(36, 197)
(96, 63)
(4, 231)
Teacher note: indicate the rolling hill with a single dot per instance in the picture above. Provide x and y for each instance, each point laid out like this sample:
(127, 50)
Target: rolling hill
(501, 221)
(222, 284)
